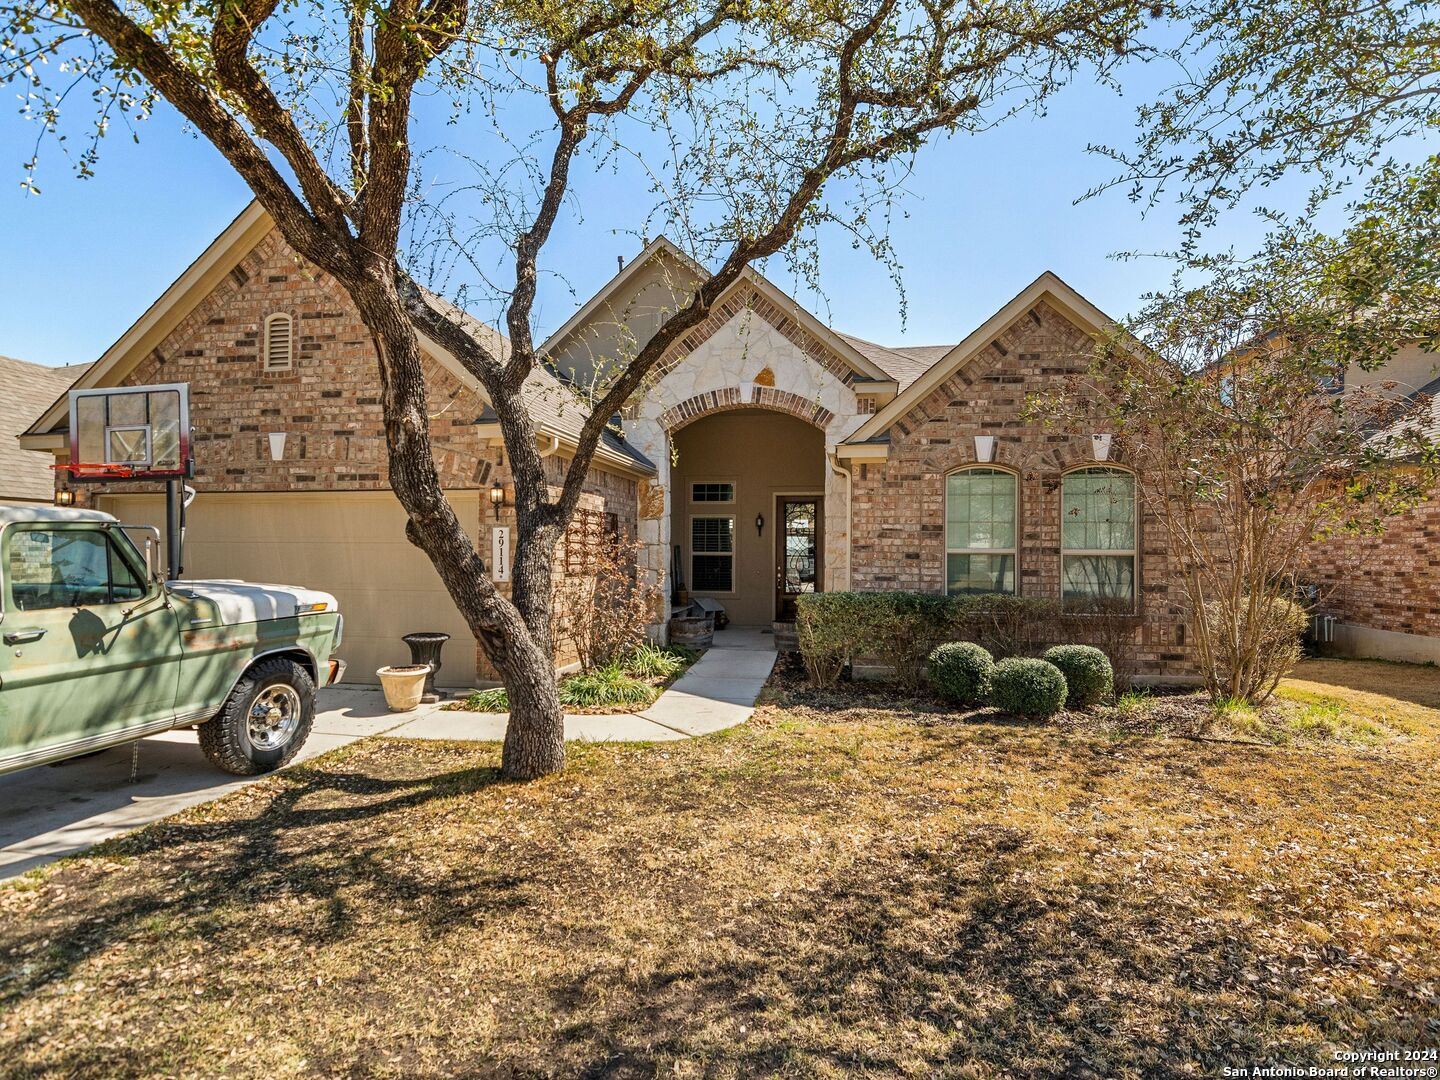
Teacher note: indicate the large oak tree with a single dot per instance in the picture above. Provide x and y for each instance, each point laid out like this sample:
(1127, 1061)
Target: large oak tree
(758, 105)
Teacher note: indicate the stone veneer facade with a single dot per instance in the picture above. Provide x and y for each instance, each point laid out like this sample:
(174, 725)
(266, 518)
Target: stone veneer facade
(748, 353)
(898, 505)
(328, 402)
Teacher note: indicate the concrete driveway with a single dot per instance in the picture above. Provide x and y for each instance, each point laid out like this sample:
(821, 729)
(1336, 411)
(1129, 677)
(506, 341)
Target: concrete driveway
(56, 810)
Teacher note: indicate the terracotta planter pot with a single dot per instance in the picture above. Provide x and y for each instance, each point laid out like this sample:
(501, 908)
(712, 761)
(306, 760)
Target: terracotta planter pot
(403, 685)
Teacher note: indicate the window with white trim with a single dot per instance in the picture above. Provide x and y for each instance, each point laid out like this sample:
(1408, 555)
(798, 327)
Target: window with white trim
(712, 554)
(980, 510)
(1097, 538)
(279, 342)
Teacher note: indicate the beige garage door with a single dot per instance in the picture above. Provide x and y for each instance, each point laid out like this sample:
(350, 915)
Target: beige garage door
(351, 544)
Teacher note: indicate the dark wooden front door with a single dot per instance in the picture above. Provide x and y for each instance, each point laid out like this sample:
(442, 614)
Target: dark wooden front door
(799, 550)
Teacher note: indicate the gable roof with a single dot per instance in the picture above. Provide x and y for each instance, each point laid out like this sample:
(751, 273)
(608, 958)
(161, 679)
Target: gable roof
(937, 369)
(865, 366)
(26, 389)
(558, 413)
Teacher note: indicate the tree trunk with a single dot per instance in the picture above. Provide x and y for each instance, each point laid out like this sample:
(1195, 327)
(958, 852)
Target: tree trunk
(516, 636)
(535, 735)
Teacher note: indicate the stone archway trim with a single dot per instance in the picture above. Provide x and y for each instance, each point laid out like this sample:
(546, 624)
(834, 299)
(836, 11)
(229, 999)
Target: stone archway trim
(728, 398)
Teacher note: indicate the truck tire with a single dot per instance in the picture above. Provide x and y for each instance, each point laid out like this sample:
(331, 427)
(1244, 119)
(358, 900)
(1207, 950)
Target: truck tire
(264, 721)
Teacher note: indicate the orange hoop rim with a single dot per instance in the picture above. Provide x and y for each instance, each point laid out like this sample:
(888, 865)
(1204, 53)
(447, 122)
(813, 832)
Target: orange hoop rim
(97, 470)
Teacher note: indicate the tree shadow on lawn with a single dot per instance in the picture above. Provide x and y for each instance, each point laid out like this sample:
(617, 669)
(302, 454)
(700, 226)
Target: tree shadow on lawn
(285, 850)
(973, 947)
(937, 969)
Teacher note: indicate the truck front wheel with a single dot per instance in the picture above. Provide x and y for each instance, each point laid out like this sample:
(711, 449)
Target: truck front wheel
(264, 721)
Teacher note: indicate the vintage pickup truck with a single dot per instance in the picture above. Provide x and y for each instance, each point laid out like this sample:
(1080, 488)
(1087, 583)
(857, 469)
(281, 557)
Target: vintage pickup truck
(98, 650)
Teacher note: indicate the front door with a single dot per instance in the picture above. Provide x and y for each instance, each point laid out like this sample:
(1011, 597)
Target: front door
(799, 555)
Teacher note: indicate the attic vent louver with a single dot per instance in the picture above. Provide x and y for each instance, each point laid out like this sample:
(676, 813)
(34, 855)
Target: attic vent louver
(279, 342)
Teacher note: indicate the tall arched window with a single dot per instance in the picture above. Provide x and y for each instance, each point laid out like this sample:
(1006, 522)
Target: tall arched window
(279, 342)
(980, 509)
(1097, 539)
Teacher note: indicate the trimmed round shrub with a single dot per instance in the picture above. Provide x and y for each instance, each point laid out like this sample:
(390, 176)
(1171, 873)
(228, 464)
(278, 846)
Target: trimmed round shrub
(960, 671)
(1027, 687)
(1088, 676)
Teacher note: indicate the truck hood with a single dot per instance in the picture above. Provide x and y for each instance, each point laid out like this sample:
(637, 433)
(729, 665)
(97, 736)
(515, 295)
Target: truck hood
(249, 601)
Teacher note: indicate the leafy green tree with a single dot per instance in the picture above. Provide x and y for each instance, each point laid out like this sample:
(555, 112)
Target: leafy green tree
(759, 105)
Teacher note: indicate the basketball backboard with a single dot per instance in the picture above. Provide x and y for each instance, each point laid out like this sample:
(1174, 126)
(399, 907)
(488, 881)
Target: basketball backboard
(130, 432)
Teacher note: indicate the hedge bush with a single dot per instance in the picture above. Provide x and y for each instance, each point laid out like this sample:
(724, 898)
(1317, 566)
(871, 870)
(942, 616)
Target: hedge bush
(1026, 686)
(1089, 679)
(960, 671)
(898, 628)
(901, 629)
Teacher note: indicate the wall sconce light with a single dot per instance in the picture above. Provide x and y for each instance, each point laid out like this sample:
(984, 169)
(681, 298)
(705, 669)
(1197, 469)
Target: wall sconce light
(64, 497)
(1100, 446)
(759, 524)
(277, 446)
(497, 497)
(984, 447)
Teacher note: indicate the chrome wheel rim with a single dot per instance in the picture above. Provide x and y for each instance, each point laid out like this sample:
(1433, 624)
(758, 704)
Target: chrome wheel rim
(274, 717)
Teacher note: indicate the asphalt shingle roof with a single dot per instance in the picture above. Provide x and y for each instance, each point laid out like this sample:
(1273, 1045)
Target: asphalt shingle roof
(903, 363)
(26, 391)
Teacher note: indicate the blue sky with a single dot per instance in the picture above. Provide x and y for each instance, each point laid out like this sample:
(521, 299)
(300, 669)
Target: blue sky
(985, 214)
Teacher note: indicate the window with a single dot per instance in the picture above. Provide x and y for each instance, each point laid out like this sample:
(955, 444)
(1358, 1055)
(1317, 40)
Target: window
(279, 342)
(1097, 538)
(66, 568)
(865, 404)
(709, 491)
(712, 554)
(980, 531)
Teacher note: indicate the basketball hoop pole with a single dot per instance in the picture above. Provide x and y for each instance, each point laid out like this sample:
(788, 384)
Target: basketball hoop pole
(173, 524)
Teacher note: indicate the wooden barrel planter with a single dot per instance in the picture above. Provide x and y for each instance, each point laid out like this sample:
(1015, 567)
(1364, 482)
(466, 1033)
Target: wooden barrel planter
(693, 631)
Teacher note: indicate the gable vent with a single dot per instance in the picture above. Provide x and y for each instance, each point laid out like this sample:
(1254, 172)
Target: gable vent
(279, 342)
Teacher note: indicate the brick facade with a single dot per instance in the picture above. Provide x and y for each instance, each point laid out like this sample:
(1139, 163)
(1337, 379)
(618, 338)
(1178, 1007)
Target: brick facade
(898, 505)
(1389, 581)
(327, 403)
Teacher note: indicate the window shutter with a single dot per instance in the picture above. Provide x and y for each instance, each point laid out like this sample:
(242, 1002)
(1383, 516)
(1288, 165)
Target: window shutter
(279, 342)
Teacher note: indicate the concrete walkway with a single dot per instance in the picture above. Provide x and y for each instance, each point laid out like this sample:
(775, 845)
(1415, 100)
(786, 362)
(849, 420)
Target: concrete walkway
(718, 692)
(57, 810)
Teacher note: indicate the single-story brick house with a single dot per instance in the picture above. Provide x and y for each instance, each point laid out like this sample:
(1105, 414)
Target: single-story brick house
(1384, 588)
(769, 456)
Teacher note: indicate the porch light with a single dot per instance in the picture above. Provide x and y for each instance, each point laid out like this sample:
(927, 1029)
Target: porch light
(277, 446)
(64, 497)
(497, 497)
(984, 447)
(1100, 446)
(759, 524)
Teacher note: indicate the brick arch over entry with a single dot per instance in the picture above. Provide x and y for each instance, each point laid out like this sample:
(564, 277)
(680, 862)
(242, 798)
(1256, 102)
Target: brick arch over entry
(728, 399)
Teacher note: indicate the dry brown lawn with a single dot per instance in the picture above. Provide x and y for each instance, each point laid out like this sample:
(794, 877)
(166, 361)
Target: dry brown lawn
(827, 891)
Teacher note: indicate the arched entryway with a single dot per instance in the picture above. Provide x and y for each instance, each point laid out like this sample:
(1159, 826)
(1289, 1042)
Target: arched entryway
(747, 510)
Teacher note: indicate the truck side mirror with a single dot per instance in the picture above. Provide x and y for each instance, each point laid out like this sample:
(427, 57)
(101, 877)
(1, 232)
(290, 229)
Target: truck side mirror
(152, 553)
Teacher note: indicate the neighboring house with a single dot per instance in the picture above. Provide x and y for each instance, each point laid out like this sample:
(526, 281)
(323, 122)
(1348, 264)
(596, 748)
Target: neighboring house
(25, 390)
(768, 456)
(1384, 588)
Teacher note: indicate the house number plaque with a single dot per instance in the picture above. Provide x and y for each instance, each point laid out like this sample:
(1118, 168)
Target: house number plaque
(500, 553)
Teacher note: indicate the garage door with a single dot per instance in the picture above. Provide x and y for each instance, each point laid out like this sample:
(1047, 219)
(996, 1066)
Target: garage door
(351, 544)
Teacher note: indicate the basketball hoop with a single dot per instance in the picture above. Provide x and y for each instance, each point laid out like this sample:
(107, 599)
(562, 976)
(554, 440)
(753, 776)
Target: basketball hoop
(107, 470)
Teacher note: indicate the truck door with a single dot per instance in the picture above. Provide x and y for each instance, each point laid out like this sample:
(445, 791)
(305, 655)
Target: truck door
(90, 651)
